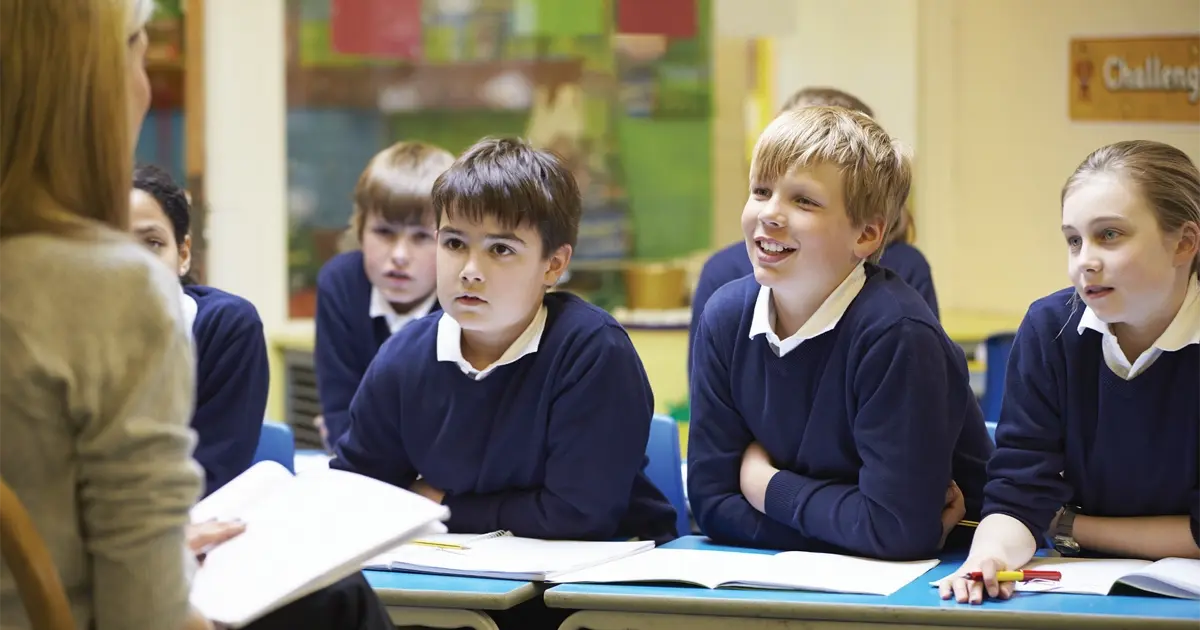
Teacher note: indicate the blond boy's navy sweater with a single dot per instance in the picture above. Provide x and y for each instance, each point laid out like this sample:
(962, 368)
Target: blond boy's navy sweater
(868, 423)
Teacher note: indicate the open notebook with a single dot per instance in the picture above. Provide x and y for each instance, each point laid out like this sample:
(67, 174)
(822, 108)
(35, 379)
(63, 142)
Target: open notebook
(789, 570)
(503, 557)
(1172, 577)
(302, 533)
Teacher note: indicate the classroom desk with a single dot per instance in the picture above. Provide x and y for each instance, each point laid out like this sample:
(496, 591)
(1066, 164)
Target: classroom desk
(917, 605)
(439, 601)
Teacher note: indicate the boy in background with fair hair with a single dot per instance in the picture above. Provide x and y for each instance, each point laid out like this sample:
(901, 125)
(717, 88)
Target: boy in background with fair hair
(366, 295)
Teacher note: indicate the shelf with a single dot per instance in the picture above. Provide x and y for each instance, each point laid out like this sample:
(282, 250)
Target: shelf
(458, 86)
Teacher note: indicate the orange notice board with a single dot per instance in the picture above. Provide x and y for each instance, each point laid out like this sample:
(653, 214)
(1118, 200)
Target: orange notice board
(1155, 79)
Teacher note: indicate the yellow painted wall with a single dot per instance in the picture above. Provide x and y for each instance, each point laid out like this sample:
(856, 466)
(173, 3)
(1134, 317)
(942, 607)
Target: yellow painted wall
(1010, 144)
(979, 89)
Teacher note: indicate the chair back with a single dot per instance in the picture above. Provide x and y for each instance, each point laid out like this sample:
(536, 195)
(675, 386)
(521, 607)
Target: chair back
(997, 348)
(276, 444)
(25, 554)
(665, 468)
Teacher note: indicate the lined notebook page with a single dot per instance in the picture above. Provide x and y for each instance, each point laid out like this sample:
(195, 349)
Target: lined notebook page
(509, 557)
(1173, 577)
(785, 571)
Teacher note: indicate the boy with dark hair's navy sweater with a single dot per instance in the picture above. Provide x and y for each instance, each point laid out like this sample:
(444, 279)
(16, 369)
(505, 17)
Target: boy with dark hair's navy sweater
(519, 409)
(829, 410)
(232, 380)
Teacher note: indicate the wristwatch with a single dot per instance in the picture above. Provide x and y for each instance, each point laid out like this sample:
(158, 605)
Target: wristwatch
(1064, 538)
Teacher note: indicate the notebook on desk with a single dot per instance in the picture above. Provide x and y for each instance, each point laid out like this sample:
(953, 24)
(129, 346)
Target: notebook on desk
(303, 533)
(503, 557)
(789, 570)
(1170, 577)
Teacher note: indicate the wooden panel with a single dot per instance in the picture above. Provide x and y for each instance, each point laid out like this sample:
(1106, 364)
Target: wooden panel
(458, 86)
(194, 130)
(1136, 79)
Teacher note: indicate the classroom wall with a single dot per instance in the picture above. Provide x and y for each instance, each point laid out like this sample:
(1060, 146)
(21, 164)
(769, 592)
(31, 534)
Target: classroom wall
(1014, 145)
(979, 90)
(246, 166)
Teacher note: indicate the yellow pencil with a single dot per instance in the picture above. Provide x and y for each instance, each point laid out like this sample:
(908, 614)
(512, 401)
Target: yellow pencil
(436, 545)
(968, 523)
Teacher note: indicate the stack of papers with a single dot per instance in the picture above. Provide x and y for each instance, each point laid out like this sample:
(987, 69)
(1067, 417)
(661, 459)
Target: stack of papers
(303, 533)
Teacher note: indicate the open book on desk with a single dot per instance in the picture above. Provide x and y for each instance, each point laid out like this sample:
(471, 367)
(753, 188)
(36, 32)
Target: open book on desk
(303, 533)
(789, 570)
(502, 557)
(1171, 577)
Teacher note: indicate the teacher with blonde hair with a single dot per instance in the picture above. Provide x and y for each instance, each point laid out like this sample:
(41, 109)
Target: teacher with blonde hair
(96, 375)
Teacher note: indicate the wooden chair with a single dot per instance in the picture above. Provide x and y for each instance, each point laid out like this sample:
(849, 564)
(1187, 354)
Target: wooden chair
(25, 553)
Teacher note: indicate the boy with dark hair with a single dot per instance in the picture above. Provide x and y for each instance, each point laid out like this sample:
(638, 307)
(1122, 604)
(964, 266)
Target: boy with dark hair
(366, 295)
(519, 409)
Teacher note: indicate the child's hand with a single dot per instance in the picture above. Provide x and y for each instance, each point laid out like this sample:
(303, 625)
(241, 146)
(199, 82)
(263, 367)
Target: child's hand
(204, 537)
(953, 512)
(319, 421)
(422, 488)
(964, 590)
(756, 473)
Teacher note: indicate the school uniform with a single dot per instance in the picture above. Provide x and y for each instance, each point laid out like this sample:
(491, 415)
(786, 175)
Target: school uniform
(353, 320)
(548, 442)
(232, 379)
(732, 263)
(867, 411)
(1082, 426)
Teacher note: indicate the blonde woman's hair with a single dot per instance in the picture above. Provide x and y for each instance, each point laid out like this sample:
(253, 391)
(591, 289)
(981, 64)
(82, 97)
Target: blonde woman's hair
(1165, 176)
(876, 169)
(65, 144)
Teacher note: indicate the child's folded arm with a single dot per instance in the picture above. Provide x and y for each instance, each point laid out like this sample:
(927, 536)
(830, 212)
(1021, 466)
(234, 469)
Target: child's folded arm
(717, 440)
(905, 428)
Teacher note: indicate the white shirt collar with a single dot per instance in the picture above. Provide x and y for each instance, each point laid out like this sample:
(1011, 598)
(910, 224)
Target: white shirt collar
(449, 344)
(822, 321)
(190, 308)
(380, 307)
(1183, 331)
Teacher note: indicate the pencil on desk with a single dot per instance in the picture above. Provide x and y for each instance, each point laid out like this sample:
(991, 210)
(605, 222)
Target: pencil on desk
(436, 545)
(465, 545)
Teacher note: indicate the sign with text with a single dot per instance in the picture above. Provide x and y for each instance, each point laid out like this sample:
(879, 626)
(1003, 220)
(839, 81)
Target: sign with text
(1152, 79)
